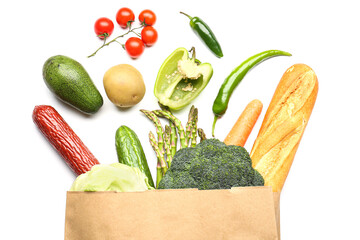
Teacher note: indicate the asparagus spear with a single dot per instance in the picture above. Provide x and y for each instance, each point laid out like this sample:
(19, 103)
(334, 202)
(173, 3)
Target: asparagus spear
(201, 134)
(173, 138)
(167, 138)
(159, 129)
(158, 174)
(173, 135)
(158, 165)
(189, 123)
(176, 121)
(159, 154)
(194, 128)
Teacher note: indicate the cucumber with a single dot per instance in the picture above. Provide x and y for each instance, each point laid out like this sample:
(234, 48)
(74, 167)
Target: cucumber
(70, 82)
(130, 151)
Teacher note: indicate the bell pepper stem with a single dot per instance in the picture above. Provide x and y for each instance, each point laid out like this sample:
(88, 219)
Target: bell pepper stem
(193, 53)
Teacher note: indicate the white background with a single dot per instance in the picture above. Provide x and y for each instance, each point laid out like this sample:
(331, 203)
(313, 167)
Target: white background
(320, 199)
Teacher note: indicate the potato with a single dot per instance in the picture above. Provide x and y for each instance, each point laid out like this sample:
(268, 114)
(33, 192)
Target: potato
(124, 85)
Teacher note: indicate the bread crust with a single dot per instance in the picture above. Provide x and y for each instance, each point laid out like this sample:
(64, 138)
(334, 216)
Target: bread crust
(284, 124)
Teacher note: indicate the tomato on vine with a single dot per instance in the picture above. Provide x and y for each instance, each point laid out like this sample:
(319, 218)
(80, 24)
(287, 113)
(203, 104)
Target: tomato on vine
(149, 36)
(125, 17)
(134, 47)
(103, 27)
(147, 17)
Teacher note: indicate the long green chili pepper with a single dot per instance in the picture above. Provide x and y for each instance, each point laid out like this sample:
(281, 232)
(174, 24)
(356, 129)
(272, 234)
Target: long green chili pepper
(206, 35)
(235, 77)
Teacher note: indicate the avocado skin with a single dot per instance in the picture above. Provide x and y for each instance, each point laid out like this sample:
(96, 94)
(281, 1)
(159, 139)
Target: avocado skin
(70, 82)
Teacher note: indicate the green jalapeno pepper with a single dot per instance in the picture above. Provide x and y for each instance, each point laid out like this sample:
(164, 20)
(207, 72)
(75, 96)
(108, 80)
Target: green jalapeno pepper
(206, 35)
(235, 77)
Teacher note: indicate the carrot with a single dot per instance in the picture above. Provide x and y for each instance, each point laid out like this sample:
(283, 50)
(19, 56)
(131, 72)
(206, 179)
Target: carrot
(244, 124)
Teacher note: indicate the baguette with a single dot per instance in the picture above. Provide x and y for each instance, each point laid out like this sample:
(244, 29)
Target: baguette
(284, 124)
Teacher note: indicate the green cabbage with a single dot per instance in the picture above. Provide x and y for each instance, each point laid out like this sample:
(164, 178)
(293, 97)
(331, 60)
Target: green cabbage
(112, 177)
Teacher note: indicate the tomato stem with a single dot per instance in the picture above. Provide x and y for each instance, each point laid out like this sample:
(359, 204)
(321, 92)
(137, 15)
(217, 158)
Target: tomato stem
(143, 23)
(105, 35)
(138, 34)
(115, 39)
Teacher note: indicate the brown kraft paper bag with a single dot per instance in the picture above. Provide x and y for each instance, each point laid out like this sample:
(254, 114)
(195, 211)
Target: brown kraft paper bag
(237, 213)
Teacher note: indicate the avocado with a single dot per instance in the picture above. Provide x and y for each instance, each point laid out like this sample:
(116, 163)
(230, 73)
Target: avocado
(70, 82)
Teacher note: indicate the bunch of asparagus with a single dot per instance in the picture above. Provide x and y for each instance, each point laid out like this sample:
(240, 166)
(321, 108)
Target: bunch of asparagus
(165, 145)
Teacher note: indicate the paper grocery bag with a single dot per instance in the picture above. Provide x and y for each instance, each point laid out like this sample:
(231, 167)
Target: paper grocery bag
(237, 213)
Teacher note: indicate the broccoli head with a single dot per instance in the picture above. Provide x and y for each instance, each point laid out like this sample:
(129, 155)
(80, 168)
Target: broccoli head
(211, 165)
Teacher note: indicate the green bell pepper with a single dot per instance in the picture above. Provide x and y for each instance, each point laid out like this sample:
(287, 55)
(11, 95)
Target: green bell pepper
(181, 79)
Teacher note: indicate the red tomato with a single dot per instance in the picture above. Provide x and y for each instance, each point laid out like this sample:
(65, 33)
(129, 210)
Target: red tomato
(103, 27)
(134, 47)
(123, 16)
(149, 36)
(148, 17)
